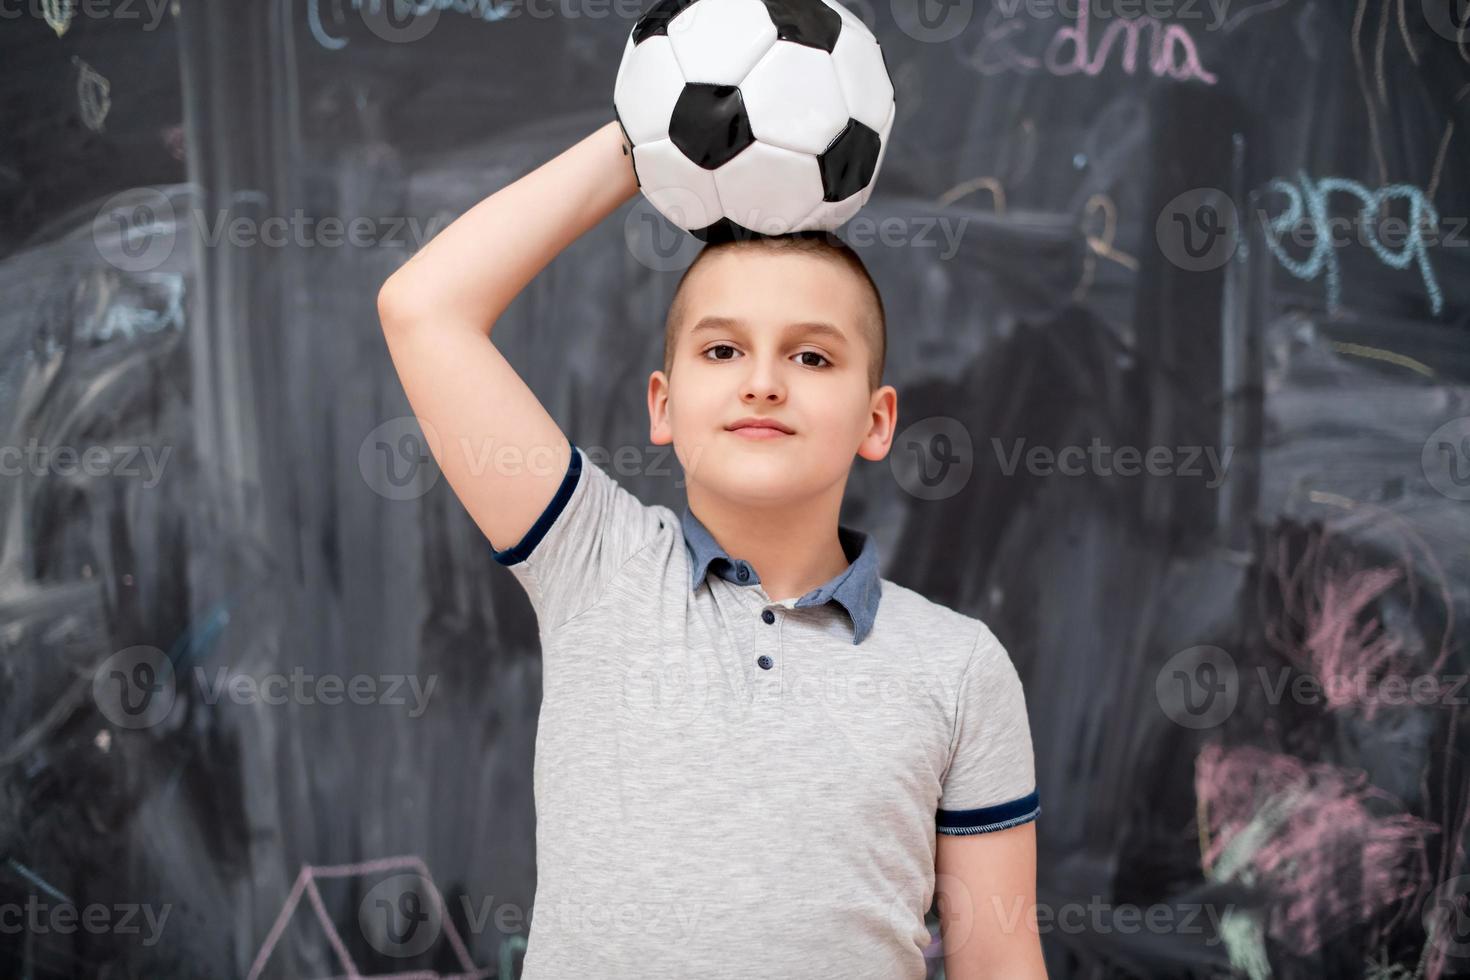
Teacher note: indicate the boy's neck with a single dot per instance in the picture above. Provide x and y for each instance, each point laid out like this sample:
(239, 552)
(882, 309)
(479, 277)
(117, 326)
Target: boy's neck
(793, 547)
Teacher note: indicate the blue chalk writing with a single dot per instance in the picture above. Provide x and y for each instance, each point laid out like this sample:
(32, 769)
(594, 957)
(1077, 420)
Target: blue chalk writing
(1323, 257)
(486, 10)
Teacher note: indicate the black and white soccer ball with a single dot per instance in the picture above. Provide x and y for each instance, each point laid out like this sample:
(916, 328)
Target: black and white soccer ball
(754, 116)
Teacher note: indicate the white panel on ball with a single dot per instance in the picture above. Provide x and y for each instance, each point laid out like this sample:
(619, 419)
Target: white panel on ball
(768, 189)
(829, 215)
(718, 41)
(793, 98)
(865, 84)
(647, 86)
(678, 188)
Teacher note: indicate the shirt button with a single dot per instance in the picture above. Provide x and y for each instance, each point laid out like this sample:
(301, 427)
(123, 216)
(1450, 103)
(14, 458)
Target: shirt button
(765, 662)
(768, 616)
(742, 573)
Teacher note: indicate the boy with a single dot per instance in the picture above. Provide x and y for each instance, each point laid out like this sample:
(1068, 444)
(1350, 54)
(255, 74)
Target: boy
(754, 756)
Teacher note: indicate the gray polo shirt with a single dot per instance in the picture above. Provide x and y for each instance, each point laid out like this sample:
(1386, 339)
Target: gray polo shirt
(731, 786)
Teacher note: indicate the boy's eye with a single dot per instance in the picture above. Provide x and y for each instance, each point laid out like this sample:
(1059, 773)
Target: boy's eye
(805, 353)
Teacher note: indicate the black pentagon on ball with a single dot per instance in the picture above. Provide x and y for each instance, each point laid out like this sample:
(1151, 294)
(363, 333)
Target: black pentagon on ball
(808, 22)
(709, 124)
(848, 163)
(655, 20)
(726, 230)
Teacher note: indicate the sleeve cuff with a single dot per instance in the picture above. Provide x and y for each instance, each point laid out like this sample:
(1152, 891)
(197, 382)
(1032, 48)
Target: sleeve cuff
(520, 551)
(987, 818)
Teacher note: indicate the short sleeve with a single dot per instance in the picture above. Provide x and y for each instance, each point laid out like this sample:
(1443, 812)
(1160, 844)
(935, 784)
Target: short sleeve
(589, 530)
(990, 783)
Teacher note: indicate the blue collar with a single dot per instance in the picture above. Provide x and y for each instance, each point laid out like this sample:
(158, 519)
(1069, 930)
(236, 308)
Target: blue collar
(856, 588)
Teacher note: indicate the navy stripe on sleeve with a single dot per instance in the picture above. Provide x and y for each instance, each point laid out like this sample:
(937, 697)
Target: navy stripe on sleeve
(987, 818)
(521, 551)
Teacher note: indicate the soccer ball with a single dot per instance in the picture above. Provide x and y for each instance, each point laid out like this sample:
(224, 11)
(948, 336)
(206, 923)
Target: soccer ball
(754, 116)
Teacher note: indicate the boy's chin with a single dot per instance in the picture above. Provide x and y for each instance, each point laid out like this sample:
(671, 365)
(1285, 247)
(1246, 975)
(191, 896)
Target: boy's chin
(754, 477)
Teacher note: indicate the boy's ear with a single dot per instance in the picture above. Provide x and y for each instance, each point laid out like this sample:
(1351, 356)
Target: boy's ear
(659, 431)
(884, 425)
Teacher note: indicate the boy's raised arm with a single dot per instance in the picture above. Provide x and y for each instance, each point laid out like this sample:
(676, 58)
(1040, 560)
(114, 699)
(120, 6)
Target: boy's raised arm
(438, 311)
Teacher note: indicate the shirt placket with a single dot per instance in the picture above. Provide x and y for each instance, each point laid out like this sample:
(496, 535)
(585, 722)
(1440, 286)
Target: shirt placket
(768, 661)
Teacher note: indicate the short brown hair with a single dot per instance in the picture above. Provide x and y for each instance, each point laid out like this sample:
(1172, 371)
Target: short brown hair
(874, 327)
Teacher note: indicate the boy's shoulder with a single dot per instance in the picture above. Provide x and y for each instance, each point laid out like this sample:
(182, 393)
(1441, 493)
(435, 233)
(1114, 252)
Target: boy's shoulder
(910, 617)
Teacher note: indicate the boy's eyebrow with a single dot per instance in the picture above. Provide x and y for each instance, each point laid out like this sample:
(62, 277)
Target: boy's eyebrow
(819, 327)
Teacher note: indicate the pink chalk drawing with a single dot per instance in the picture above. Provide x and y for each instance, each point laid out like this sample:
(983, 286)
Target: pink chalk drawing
(306, 884)
(1322, 627)
(1172, 51)
(1327, 849)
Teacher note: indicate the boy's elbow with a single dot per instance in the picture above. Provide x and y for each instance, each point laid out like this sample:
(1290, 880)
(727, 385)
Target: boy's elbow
(395, 305)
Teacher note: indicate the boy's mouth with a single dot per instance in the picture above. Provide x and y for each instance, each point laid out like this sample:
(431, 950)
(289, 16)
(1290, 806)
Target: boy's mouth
(760, 432)
(754, 426)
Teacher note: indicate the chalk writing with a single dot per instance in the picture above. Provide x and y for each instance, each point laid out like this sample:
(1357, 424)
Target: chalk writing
(1172, 51)
(1308, 205)
(374, 14)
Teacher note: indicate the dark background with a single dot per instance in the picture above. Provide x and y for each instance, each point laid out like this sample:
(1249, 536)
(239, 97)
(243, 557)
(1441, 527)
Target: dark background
(1093, 287)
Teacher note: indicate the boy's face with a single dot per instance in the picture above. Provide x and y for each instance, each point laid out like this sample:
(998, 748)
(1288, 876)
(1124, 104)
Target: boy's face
(751, 344)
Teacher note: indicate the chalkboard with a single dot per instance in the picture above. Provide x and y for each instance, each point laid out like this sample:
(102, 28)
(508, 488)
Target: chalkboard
(1178, 295)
